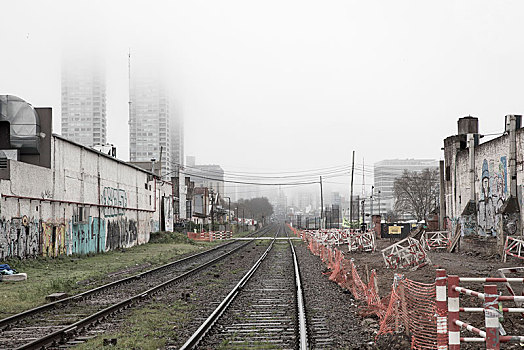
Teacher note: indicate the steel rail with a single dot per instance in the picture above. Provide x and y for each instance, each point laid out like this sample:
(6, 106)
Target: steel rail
(66, 332)
(11, 319)
(63, 333)
(300, 303)
(199, 334)
(14, 318)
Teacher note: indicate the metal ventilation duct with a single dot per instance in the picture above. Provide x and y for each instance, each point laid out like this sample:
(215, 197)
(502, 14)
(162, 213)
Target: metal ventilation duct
(24, 124)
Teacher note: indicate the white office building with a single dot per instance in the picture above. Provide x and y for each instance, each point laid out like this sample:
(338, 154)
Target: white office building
(385, 173)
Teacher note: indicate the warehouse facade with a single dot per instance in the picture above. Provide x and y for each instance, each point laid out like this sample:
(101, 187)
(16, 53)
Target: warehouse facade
(63, 198)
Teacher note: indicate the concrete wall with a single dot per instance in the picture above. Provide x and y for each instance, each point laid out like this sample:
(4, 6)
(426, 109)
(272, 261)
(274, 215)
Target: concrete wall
(492, 185)
(86, 203)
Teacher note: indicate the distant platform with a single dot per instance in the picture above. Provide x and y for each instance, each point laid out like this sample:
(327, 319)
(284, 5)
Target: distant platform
(265, 238)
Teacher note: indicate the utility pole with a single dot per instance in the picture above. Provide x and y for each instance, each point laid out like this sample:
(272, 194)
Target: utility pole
(229, 211)
(321, 205)
(363, 212)
(160, 161)
(442, 199)
(371, 205)
(351, 191)
(212, 211)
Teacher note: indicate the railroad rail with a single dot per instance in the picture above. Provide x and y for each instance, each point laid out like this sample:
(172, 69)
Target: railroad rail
(265, 308)
(60, 321)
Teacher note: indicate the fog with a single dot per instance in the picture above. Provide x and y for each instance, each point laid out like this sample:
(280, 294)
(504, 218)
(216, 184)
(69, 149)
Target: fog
(275, 86)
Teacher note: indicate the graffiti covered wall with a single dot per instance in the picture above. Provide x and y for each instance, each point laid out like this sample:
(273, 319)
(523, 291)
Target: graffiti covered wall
(19, 237)
(496, 213)
(86, 203)
(492, 194)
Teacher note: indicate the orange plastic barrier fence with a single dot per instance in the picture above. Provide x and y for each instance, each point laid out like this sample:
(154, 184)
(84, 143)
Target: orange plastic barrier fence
(409, 307)
(209, 236)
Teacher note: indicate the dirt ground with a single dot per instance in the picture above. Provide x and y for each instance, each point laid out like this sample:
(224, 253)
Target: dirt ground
(463, 264)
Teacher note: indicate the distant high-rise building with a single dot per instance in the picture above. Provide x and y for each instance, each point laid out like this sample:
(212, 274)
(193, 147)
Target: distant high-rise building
(150, 134)
(385, 173)
(177, 137)
(84, 100)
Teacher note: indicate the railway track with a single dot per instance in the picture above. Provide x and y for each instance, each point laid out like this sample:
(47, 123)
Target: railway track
(264, 310)
(64, 321)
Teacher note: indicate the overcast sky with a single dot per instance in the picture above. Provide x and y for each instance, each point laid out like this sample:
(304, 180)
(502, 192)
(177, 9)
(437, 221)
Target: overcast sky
(286, 85)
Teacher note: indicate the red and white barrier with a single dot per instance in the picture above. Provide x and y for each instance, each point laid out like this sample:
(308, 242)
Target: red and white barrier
(513, 247)
(493, 334)
(435, 240)
(361, 241)
(405, 253)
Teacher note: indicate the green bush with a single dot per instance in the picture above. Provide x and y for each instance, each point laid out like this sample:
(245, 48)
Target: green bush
(169, 237)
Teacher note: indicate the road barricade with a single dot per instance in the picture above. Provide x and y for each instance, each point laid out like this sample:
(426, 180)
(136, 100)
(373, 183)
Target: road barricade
(405, 253)
(513, 247)
(435, 240)
(449, 322)
(361, 241)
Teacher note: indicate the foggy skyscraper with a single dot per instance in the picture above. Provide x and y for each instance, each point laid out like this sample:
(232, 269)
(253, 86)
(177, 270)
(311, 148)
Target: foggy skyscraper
(177, 136)
(83, 100)
(153, 128)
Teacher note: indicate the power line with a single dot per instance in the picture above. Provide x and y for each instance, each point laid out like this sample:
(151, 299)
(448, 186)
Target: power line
(253, 183)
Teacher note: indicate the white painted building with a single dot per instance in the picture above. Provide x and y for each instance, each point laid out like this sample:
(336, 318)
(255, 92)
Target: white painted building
(66, 198)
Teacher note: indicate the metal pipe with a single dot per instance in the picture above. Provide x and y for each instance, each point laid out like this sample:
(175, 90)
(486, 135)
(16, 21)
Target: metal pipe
(74, 202)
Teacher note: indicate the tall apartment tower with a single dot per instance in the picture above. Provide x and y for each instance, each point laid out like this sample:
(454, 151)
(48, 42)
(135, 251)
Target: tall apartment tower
(84, 100)
(177, 137)
(149, 120)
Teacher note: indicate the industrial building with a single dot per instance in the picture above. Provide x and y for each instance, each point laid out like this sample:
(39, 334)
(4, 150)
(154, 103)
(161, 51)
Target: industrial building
(60, 197)
(483, 181)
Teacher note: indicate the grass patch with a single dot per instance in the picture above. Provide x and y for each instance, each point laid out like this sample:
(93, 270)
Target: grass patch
(241, 234)
(76, 274)
(147, 327)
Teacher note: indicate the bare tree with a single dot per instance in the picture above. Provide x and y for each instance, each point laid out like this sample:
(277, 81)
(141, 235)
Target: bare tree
(391, 216)
(417, 193)
(259, 208)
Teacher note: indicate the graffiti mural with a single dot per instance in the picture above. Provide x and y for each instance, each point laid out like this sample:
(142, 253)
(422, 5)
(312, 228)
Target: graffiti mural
(19, 238)
(493, 193)
(114, 197)
(167, 208)
(121, 233)
(87, 237)
(53, 239)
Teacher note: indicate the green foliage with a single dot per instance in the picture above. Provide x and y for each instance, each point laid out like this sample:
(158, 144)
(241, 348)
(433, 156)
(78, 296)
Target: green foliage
(169, 237)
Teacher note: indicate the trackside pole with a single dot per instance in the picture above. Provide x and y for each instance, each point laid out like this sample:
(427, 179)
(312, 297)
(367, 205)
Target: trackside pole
(491, 316)
(441, 305)
(453, 313)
